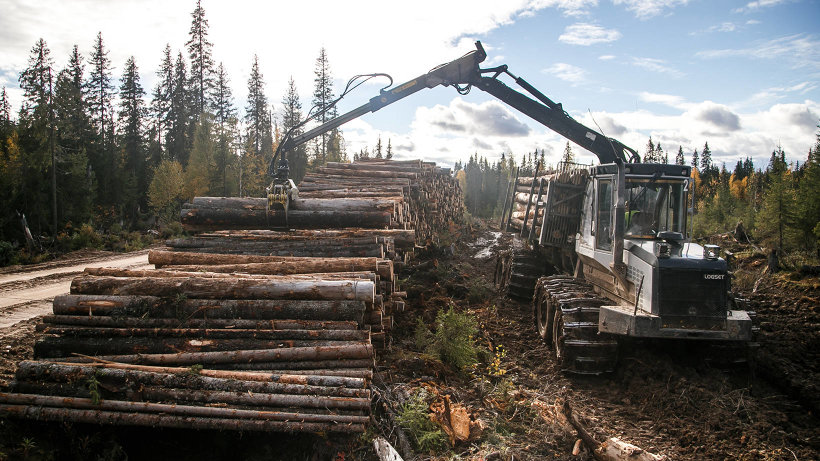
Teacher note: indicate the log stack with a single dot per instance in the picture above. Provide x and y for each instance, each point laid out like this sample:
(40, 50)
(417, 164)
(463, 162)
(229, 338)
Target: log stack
(369, 193)
(243, 327)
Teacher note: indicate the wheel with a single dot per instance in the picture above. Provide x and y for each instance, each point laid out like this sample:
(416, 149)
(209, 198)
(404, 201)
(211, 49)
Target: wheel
(543, 319)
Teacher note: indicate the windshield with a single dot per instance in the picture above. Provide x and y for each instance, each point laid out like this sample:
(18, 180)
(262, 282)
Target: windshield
(654, 206)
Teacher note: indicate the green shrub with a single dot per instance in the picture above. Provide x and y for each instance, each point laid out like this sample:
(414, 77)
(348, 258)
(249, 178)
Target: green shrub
(453, 340)
(86, 237)
(414, 417)
(6, 253)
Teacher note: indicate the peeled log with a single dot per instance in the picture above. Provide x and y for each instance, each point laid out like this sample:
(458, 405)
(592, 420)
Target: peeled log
(155, 307)
(226, 288)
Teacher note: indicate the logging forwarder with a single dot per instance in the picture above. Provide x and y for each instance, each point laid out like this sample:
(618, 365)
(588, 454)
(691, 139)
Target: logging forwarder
(635, 280)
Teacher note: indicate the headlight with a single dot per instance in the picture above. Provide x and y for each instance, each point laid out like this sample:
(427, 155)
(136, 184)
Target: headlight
(663, 250)
(711, 251)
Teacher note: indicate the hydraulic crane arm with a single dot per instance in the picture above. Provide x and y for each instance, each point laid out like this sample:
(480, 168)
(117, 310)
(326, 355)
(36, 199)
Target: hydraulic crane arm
(462, 74)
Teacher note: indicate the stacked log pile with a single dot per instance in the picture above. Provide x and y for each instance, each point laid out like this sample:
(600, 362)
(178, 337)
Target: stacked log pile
(369, 193)
(244, 327)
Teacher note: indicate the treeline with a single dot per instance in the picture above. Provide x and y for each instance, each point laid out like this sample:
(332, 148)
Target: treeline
(777, 206)
(86, 148)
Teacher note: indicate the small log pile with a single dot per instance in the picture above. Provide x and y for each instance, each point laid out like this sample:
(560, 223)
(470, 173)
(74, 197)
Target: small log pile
(243, 327)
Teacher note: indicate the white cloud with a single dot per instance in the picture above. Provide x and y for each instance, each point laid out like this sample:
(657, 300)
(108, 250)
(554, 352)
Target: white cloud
(753, 22)
(759, 4)
(491, 118)
(656, 65)
(567, 72)
(665, 99)
(646, 9)
(799, 51)
(607, 57)
(586, 34)
(352, 33)
(569, 7)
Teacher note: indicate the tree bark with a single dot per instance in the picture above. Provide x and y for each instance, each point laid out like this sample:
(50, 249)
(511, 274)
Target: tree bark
(183, 309)
(227, 288)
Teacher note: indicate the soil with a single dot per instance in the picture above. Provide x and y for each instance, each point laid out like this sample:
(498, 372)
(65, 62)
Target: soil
(663, 398)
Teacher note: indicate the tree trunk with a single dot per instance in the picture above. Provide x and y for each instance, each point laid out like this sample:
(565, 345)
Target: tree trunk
(226, 288)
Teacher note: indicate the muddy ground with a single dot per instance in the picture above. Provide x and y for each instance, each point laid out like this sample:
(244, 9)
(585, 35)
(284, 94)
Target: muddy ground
(664, 397)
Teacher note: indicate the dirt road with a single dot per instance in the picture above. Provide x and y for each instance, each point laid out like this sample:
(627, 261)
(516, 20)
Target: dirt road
(26, 293)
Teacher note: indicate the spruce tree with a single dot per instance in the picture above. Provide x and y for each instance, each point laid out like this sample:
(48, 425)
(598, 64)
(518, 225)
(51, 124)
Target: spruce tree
(74, 134)
(161, 105)
(695, 159)
(36, 137)
(808, 221)
(679, 159)
(132, 145)
(202, 65)
(291, 117)
(179, 126)
(568, 156)
(101, 93)
(5, 110)
(256, 110)
(225, 118)
(706, 159)
(378, 149)
(649, 156)
(322, 97)
(389, 154)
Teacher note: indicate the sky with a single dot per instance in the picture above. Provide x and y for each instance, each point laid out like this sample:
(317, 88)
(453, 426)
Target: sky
(743, 76)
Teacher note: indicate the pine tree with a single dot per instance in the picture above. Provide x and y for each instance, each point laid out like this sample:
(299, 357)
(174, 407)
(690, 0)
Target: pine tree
(291, 118)
(178, 141)
(225, 118)
(679, 159)
(695, 159)
(161, 104)
(132, 111)
(660, 156)
(322, 97)
(389, 154)
(778, 212)
(202, 65)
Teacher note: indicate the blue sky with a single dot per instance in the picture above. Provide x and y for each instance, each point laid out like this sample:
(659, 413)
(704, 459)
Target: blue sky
(741, 75)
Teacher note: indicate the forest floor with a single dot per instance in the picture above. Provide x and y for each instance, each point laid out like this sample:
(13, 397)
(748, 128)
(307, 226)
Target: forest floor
(663, 398)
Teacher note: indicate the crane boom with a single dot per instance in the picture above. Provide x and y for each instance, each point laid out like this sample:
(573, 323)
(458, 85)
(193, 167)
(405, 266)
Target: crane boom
(462, 74)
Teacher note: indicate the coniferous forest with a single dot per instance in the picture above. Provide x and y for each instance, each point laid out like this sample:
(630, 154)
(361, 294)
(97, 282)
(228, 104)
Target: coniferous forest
(93, 158)
(777, 205)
